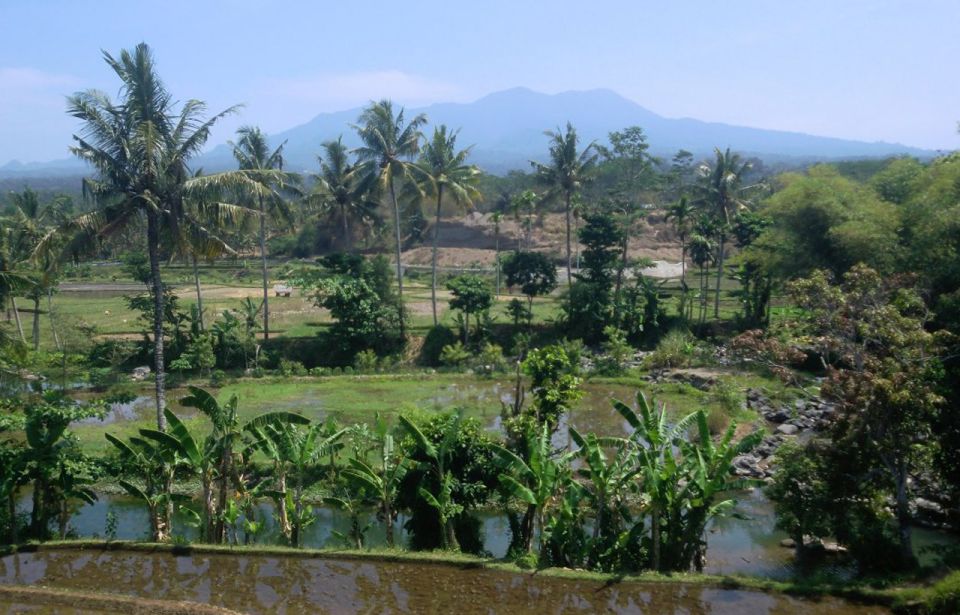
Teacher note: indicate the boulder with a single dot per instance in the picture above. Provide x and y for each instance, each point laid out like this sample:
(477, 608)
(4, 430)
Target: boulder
(788, 429)
(140, 373)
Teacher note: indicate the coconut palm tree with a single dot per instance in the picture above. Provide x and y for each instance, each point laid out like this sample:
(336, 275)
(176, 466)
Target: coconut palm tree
(389, 142)
(565, 175)
(681, 213)
(497, 217)
(339, 190)
(445, 171)
(265, 168)
(721, 194)
(139, 147)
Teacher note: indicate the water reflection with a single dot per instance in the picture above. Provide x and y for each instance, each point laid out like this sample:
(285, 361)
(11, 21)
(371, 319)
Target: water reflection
(255, 584)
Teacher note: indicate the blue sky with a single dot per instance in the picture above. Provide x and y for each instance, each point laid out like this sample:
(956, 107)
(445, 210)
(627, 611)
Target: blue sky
(861, 69)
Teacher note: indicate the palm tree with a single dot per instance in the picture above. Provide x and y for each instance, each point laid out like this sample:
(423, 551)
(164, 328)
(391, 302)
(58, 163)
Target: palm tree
(565, 175)
(388, 144)
(497, 217)
(720, 193)
(338, 189)
(681, 214)
(265, 168)
(445, 170)
(139, 147)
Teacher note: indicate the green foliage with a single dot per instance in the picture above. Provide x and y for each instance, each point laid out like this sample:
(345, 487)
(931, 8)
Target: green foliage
(823, 221)
(533, 272)
(365, 309)
(678, 348)
(800, 494)
(454, 355)
(451, 472)
(553, 383)
(472, 295)
(616, 352)
(437, 338)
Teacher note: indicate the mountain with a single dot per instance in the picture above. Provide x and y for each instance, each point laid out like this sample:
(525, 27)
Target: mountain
(506, 130)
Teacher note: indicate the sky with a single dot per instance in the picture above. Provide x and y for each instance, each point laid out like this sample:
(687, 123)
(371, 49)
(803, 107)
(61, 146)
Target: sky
(873, 70)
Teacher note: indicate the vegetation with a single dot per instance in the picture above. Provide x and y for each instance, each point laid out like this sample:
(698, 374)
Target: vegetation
(834, 287)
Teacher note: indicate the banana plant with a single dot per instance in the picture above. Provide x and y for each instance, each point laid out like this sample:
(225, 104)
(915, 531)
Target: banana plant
(535, 481)
(295, 452)
(227, 437)
(605, 482)
(383, 479)
(437, 467)
(654, 437)
(154, 456)
(201, 456)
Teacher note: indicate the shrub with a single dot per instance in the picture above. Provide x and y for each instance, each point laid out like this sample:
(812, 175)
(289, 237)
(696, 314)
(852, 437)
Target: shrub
(365, 361)
(433, 345)
(490, 360)
(678, 348)
(454, 355)
(616, 352)
(292, 368)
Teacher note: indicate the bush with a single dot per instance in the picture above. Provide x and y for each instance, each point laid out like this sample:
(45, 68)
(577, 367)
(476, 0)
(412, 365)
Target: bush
(218, 377)
(454, 355)
(490, 360)
(433, 345)
(616, 352)
(292, 368)
(318, 371)
(678, 348)
(366, 361)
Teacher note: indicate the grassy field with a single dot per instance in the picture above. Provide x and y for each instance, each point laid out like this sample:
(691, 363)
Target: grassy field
(359, 398)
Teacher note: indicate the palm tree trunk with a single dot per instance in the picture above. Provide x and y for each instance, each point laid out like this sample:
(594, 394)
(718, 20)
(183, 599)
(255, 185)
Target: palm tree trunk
(12, 515)
(436, 233)
(16, 317)
(496, 254)
(153, 248)
(36, 322)
(263, 265)
(716, 297)
(396, 227)
(569, 261)
(53, 325)
(346, 227)
(196, 282)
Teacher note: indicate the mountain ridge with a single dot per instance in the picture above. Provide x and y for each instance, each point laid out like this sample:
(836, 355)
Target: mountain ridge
(506, 130)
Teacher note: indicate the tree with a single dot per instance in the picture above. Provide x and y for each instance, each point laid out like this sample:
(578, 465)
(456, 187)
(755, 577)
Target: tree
(589, 306)
(883, 370)
(446, 171)
(533, 272)
(139, 147)
(471, 295)
(339, 190)
(497, 217)
(720, 193)
(264, 169)
(565, 175)
(388, 144)
(553, 382)
(681, 213)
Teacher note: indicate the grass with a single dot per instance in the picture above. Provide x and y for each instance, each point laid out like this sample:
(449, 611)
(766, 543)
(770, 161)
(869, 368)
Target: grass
(359, 398)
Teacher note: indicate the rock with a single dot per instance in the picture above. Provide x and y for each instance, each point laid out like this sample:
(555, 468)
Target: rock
(788, 543)
(832, 548)
(779, 416)
(788, 430)
(140, 373)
